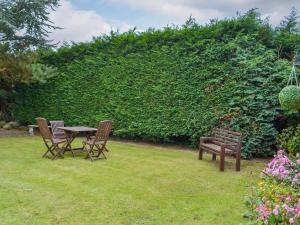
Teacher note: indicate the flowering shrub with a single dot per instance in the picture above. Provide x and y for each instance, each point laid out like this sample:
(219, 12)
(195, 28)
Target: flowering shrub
(276, 200)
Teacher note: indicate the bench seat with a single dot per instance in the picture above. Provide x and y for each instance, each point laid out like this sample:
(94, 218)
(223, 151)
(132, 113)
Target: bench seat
(224, 142)
(216, 148)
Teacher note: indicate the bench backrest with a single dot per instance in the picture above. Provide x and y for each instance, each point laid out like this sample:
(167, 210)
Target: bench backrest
(222, 136)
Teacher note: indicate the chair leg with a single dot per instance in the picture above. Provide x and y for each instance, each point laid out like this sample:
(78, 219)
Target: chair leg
(214, 156)
(200, 153)
(59, 152)
(101, 151)
(49, 149)
(90, 153)
(222, 159)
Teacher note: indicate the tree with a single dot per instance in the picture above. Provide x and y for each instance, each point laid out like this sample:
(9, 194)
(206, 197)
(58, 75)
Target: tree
(24, 27)
(287, 38)
(25, 23)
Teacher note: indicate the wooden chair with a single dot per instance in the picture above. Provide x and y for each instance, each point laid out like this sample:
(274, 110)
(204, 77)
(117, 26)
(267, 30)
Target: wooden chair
(57, 133)
(51, 142)
(95, 146)
(224, 142)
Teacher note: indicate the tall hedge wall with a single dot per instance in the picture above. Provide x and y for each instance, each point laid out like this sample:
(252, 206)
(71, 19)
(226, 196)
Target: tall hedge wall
(170, 85)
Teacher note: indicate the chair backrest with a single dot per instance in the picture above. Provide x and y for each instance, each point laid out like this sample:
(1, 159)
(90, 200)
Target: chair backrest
(103, 131)
(222, 136)
(43, 127)
(57, 133)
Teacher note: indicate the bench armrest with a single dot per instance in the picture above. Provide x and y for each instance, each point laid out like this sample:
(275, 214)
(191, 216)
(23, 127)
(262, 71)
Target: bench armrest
(229, 145)
(206, 139)
(223, 146)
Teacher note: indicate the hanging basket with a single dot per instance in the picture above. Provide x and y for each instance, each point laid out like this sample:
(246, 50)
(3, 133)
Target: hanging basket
(289, 97)
(297, 59)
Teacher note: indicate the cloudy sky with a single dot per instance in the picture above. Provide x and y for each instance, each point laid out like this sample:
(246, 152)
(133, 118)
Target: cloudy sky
(83, 19)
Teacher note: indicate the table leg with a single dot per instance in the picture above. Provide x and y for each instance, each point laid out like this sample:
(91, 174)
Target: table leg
(70, 138)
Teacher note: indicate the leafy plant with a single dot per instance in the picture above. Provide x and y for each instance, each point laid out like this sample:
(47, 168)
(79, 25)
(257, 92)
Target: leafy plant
(289, 139)
(294, 145)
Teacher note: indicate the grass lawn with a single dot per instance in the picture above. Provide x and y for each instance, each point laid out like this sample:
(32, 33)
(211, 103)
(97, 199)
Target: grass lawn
(137, 184)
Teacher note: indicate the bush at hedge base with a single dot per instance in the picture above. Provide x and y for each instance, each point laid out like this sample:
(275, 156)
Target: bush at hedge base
(2, 123)
(7, 126)
(289, 97)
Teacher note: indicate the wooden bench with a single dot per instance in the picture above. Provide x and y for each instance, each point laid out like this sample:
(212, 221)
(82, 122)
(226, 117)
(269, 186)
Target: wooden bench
(33, 129)
(224, 142)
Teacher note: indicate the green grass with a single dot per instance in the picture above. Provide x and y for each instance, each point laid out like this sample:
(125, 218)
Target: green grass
(137, 184)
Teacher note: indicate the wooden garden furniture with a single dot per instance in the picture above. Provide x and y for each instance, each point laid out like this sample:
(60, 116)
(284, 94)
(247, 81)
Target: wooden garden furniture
(33, 129)
(72, 132)
(95, 146)
(52, 143)
(224, 142)
(56, 132)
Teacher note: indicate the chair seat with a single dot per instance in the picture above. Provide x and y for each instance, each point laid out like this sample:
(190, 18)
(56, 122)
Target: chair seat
(58, 140)
(60, 136)
(216, 148)
(91, 141)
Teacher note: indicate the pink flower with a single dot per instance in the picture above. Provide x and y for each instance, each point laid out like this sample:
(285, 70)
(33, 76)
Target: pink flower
(298, 161)
(291, 220)
(275, 210)
(288, 198)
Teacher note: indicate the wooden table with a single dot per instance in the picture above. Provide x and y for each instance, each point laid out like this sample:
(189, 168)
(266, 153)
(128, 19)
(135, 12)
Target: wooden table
(73, 132)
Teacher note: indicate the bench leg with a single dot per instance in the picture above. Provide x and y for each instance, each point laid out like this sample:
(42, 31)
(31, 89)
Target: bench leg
(214, 156)
(238, 162)
(222, 159)
(200, 153)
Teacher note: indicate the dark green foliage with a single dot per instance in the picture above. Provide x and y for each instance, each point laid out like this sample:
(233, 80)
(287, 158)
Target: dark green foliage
(289, 140)
(25, 23)
(170, 85)
(24, 26)
(287, 38)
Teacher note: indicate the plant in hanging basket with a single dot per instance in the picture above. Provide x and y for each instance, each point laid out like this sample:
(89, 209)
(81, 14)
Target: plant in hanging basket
(289, 97)
(297, 59)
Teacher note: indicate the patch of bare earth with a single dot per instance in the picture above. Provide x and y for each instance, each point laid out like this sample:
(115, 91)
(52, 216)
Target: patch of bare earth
(13, 132)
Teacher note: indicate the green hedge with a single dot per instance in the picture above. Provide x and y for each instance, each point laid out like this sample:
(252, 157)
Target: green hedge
(172, 85)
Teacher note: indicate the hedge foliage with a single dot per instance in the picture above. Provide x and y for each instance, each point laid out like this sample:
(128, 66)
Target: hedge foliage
(168, 85)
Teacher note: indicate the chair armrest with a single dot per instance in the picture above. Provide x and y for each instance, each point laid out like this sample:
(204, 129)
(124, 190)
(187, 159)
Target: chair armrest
(206, 139)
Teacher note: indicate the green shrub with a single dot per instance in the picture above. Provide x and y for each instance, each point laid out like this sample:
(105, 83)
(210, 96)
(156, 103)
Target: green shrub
(14, 124)
(289, 140)
(7, 126)
(2, 123)
(294, 145)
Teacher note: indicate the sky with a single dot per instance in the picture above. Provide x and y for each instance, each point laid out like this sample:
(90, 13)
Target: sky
(82, 20)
